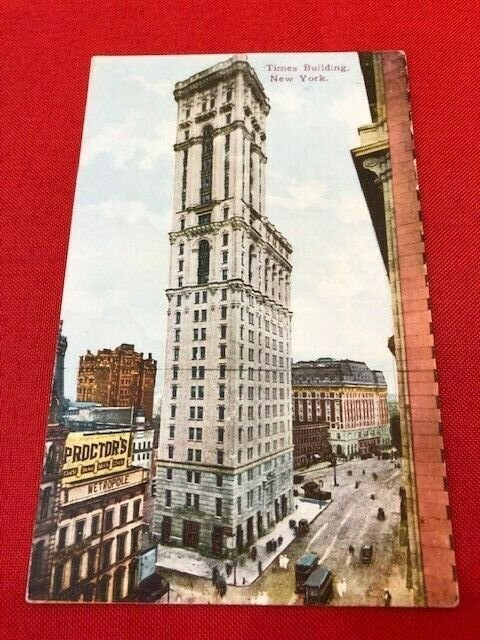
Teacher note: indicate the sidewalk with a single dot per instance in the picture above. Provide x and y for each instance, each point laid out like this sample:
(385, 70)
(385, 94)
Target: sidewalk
(193, 563)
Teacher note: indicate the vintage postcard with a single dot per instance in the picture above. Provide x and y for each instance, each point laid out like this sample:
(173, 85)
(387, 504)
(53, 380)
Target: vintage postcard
(244, 405)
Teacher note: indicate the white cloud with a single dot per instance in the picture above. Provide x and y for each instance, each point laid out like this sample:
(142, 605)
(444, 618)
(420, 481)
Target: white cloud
(351, 111)
(133, 142)
(305, 194)
(162, 88)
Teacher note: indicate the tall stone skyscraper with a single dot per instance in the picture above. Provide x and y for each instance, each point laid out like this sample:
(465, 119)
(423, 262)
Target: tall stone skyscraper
(225, 451)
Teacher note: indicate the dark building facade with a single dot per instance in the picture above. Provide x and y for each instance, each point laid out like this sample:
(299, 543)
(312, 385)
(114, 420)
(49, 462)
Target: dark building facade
(347, 397)
(41, 561)
(59, 375)
(118, 377)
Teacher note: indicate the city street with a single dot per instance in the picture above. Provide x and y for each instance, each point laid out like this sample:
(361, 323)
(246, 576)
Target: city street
(349, 520)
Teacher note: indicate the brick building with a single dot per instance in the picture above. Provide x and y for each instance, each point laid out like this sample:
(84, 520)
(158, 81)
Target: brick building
(311, 442)
(118, 377)
(346, 396)
(385, 164)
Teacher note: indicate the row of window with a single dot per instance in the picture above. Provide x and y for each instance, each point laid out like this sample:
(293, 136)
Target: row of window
(80, 570)
(196, 433)
(200, 315)
(80, 526)
(198, 373)
(208, 101)
(195, 455)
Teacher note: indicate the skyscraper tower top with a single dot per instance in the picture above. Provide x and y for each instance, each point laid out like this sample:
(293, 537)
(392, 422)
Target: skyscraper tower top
(236, 68)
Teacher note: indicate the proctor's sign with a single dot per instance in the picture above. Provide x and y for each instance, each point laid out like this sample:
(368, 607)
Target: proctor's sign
(92, 455)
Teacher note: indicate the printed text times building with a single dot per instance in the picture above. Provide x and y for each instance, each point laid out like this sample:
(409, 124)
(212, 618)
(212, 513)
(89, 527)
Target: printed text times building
(225, 450)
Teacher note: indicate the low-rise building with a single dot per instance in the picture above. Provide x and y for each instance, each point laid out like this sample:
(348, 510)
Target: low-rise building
(349, 398)
(99, 528)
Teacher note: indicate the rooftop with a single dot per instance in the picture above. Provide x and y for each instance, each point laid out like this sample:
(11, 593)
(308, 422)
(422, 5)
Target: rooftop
(203, 79)
(330, 372)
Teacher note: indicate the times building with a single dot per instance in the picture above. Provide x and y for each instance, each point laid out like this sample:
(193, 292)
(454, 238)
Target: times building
(225, 461)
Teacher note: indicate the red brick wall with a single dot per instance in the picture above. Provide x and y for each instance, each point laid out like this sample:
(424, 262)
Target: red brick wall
(432, 498)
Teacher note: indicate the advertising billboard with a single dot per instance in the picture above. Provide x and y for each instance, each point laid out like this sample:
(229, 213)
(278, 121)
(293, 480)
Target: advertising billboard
(92, 455)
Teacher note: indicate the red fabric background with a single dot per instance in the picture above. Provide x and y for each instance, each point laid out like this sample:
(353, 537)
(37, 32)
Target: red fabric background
(46, 57)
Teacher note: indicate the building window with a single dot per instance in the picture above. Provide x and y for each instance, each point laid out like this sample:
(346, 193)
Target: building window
(239, 505)
(170, 451)
(221, 412)
(220, 455)
(175, 372)
(219, 480)
(203, 262)
(171, 431)
(95, 525)
(108, 520)
(168, 497)
(223, 312)
(204, 218)
(121, 546)
(218, 507)
(220, 434)
(45, 503)
(206, 168)
(135, 541)
(92, 561)
(106, 552)
(58, 578)
(136, 508)
(62, 537)
(184, 179)
(169, 474)
(226, 177)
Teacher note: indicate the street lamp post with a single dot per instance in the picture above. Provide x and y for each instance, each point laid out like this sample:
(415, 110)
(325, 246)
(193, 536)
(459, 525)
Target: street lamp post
(334, 465)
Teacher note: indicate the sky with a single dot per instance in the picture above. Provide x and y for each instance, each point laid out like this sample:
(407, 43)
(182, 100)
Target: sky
(119, 250)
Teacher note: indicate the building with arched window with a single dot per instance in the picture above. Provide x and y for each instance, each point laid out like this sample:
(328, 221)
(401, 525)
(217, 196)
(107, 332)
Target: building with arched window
(225, 461)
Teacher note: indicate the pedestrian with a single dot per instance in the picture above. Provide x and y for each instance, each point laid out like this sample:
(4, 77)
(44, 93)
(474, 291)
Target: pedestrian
(351, 550)
(363, 471)
(259, 567)
(244, 580)
(387, 598)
